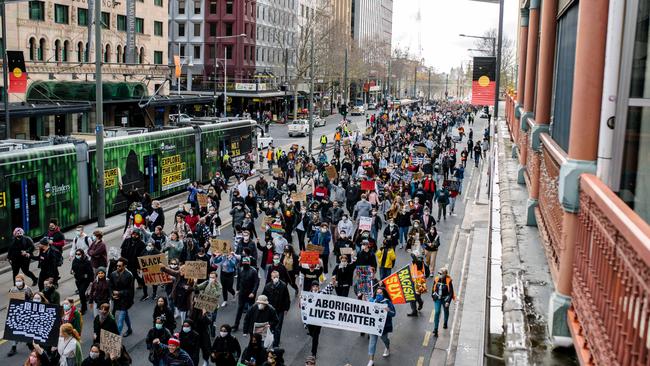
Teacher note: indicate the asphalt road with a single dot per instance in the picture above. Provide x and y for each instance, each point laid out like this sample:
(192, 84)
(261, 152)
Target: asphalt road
(410, 342)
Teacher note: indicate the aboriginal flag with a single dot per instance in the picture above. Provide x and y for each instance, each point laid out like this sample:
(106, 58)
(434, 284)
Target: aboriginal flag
(484, 81)
(17, 72)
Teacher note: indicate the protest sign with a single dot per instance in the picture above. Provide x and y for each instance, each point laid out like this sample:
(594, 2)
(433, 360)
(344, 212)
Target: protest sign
(367, 185)
(195, 269)
(344, 313)
(206, 302)
(307, 257)
(203, 199)
(150, 266)
(362, 280)
(32, 321)
(331, 172)
(421, 150)
(299, 196)
(315, 248)
(365, 223)
(240, 165)
(277, 172)
(110, 343)
(218, 246)
(267, 221)
(365, 143)
(400, 287)
(347, 251)
(17, 295)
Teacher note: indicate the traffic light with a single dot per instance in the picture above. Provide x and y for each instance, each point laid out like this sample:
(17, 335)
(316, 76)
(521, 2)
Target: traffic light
(343, 110)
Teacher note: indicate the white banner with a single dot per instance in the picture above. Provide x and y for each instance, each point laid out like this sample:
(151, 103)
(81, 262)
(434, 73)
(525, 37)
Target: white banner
(344, 313)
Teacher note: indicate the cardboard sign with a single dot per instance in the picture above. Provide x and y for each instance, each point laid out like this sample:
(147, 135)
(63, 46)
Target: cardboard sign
(195, 269)
(150, 266)
(299, 197)
(347, 251)
(365, 223)
(277, 172)
(421, 150)
(206, 302)
(218, 246)
(344, 313)
(365, 143)
(331, 172)
(17, 295)
(418, 176)
(203, 199)
(32, 322)
(267, 221)
(315, 248)
(309, 257)
(110, 343)
(367, 185)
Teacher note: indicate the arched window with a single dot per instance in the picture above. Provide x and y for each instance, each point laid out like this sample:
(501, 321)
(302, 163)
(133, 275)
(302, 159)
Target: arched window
(107, 53)
(124, 55)
(118, 52)
(80, 52)
(141, 59)
(41, 50)
(57, 50)
(32, 49)
(66, 50)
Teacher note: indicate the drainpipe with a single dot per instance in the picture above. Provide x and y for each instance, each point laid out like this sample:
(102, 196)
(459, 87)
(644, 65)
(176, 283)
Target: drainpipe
(610, 88)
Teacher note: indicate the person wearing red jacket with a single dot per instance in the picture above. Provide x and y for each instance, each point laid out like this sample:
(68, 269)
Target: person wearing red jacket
(54, 236)
(321, 192)
(429, 187)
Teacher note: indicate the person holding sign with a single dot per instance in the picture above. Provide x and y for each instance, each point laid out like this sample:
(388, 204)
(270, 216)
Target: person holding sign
(322, 238)
(69, 347)
(381, 298)
(225, 349)
(96, 357)
(171, 354)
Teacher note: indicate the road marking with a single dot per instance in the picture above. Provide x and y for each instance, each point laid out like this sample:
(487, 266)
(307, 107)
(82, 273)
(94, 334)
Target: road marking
(427, 336)
(421, 361)
(433, 313)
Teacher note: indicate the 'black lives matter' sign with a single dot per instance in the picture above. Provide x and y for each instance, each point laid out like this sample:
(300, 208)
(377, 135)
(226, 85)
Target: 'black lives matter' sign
(32, 321)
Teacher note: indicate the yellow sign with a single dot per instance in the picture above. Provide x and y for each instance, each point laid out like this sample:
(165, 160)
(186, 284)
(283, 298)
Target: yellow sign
(484, 81)
(3, 199)
(173, 169)
(234, 148)
(110, 177)
(17, 72)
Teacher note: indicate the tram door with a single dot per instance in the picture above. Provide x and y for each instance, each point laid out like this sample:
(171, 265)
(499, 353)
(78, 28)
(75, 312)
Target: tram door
(23, 194)
(150, 165)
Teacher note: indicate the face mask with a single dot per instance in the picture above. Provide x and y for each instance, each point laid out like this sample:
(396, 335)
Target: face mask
(416, 225)
(159, 326)
(94, 355)
(173, 266)
(36, 299)
(261, 306)
(246, 237)
(66, 307)
(186, 329)
(343, 264)
(19, 283)
(93, 238)
(77, 233)
(213, 280)
(323, 230)
(223, 334)
(246, 265)
(78, 256)
(379, 297)
(275, 280)
(276, 261)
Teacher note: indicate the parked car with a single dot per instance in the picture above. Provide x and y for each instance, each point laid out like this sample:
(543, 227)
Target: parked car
(319, 122)
(263, 142)
(184, 118)
(358, 110)
(372, 106)
(298, 127)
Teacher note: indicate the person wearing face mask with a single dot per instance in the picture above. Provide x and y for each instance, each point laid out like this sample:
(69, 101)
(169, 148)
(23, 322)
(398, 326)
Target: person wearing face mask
(83, 276)
(266, 252)
(99, 292)
(212, 288)
(103, 320)
(403, 221)
(18, 288)
(342, 242)
(96, 357)
(165, 313)
(345, 225)
(278, 296)
(19, 254)
(254, 354)
(71, 315)
(158, 331)
(225, 348)
(228, 264)
(322, 238)
(149, 249)
(426, 220)
(342, 275)
(48, 262)
(81, 242)
(50, 291)
(386, 259)
(190, 341)
(391, 234)
(278, 266)
(97, 251)
(415, 237)
(54, 236)
(260, 318)
(132, 248)
(381, 298)
(247, 284)
(303, 223)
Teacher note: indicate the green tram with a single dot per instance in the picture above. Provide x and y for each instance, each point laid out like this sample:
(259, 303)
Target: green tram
(60, 181)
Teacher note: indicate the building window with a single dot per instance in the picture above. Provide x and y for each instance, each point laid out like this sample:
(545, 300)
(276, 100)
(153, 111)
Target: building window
(182, 50)
(118, 53)
(106, 20)
(228, 6)
(181, 30)
(213, 6)
(197, 7)
(32, 49)
(213, 29)
(181, 6)
(157, 28)
(66, 49)
(80, 51)
(41, 50)
(82, 17)
(60, 14)
(157, 57)
(229, 52)
(121, 23)
(197, 52)
(211, 52)
(37, 10)
(139, 25)
(245, 53)
(107, 53)
(141, 56)
(228, 31)
(197, 30)
(57, 50)
(158, 2)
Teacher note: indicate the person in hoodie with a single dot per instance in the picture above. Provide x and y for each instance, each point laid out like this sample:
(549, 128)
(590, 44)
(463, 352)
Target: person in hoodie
(97, 251)
(345, 225)
(54, 236)
(158, 331)
(163, 312)
(225, 349)
(132, 248)
(149, 249)
(322, 238)
(190, 341)
(247, 284)
(19, 252)
(83, 276)
(171, 354)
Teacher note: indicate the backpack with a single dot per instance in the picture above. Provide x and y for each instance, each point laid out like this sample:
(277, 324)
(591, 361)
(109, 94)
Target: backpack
(440, 290)
(59, 258)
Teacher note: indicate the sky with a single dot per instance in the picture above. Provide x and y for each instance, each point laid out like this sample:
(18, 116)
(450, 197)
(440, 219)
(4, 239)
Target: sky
(442, 22)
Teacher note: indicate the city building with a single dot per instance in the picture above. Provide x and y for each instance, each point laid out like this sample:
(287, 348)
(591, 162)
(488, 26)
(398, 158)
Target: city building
(372, 24)
(187, 26)
(59, 99)
(277, 38)
(342, 17)
(580, 125)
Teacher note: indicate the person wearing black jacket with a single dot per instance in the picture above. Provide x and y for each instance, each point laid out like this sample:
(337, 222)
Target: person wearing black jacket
(365, 257)
(247, 284)
(104, 320)
(342, 275)
(19, 252)
(255, 350)
(83, 276)
(262, 312)
(278, 296)
(121, 285)
(225, 348)
(156, 216)
(391, 233)
(131, 249)
(131, 197)
(190, 340)
(303, 225)
(48, 262)
(157, 332)
(96, 357)
(165, 313)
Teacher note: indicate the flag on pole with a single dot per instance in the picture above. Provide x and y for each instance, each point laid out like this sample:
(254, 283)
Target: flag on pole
(484, 81)
(400, 286)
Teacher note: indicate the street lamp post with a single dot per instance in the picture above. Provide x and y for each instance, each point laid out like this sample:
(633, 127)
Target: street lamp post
(496, 53)
(178, 82)
(225, 69)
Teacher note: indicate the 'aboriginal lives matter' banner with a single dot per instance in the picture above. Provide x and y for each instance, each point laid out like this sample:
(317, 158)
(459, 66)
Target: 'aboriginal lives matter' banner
(484, 80)
(400, 286)
(344, 313)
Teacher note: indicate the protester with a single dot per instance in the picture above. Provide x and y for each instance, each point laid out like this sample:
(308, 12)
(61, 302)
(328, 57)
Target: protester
(442, 293)
(381, 298)
(19, 253)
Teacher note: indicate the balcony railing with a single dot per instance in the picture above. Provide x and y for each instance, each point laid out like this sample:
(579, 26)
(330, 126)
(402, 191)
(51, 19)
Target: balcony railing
(610, 314)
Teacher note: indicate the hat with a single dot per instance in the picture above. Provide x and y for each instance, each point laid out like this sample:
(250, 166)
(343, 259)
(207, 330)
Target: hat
(262, 299)
(44, 241)
(310, 359)
(19, 231)
(173, 342)
(315, 283)
(101, 269)
(246, 260)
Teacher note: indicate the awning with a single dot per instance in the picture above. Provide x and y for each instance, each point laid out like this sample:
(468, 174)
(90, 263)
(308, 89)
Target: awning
(69, 91)
(18, 110)
(258, 94)
(167, 100)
